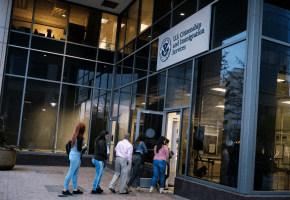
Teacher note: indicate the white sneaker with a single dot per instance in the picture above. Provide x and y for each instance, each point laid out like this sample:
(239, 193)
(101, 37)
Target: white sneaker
(162, 190)
(151, 190)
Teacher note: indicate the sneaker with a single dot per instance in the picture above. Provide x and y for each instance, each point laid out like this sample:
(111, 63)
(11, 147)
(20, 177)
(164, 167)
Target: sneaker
(66, 193)
(112, 190)
(95, 192)
(139, 190)
(78, 192)
(100, 190)
(128, 189)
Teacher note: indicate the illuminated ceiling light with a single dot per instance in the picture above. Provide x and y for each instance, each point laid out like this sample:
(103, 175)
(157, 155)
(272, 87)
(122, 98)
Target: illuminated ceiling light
(104, 21)
(63, 15)
(53, 104)
(122, 25)
(182, 14)
(280, 80)
(219, 89)
(44, 55)
(143, 27)
(149, 36)
(287, 102)
(143, 103)
(43, 109)
(220, 106)
(27, 101)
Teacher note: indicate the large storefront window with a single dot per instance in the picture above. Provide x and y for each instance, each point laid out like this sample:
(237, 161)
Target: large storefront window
(215, 140)
(108, 31)
(132, 20)
(273, 136)
(146, 13)
(22, 15)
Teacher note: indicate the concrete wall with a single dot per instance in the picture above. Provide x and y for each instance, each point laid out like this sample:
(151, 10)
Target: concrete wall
(5, 14)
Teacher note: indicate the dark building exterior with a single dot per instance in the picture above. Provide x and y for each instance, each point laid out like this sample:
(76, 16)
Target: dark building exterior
(225, 108)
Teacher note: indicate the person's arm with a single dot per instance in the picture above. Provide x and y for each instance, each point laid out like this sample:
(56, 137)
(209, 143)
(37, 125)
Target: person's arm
(79, 143)
(144, 147)
(129, 154)
(103, 150)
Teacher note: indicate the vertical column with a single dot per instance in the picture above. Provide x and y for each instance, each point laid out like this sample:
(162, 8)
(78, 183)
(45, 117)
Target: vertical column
(5, 14)
(250, 98)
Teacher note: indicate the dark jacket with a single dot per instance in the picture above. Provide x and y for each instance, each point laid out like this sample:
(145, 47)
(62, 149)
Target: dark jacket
(101, 151)
(79, 143)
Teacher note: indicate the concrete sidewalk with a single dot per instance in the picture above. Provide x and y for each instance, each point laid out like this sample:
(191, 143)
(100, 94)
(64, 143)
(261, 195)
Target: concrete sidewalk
(26, 182)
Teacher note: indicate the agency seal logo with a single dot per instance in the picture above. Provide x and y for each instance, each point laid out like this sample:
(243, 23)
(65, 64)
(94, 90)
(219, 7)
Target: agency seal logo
(165, 49)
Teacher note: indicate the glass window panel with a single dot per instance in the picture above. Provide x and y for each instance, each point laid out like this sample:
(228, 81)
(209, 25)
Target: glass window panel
(16, 61)
(122, 31)
(11, 106)
(144, 38)
(22, 15)
(154, 54)
(124, 110)
(144, 52)
(276, 20)
(47, 45)
(177, 2)
(204, 3)
(230, 21)
(120, 55)
(161, 27)
(139, 74)
(184, 11)
(131, 29)
(75, 107)
(73, 71)
(39, 116)
(115, 103)
(273, 138)
(156, 92)
(84, 25)
(81, 51)
(146, 13)
(106, 56)
(130, 48)
(141, 63)
(126, 75)
(50, 19)
(216, 124)
(118, 76)
(129, 62)
(104, 76)
(44, 65)
(140, 87)
(108, 31)
(161, 7)
(179, 85)
(19, 39)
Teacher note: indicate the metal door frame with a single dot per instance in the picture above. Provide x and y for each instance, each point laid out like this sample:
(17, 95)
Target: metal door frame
(110, 135)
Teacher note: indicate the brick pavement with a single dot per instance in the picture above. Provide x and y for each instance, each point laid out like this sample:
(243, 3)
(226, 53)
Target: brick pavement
(26, 182)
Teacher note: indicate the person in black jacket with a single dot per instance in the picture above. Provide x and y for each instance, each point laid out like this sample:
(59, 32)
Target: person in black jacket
(77, 144)
(100, 155)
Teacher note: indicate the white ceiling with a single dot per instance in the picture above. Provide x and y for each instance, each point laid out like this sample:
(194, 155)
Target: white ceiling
(97, 4)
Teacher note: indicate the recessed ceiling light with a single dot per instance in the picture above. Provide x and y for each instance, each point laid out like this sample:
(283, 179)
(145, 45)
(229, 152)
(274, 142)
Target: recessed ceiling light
(143, 27)
(287, 102)
(143, 103)
(280, 80)
(122, 25)
(44, 55)
(219, 89)
(104, 21)
(149, 36)
(181, 14)
(63, 15)
(220, 106)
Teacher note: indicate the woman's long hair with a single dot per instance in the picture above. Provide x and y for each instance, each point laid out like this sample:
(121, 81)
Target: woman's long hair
(80, 130)
(101, 136)
(141, 138)
(160, 142)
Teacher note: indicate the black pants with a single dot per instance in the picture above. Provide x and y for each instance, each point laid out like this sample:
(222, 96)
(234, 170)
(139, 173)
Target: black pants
(136, 162)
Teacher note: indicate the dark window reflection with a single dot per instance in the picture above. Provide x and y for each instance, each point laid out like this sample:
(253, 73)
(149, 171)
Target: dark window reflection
(84, 25)
(156, 92)
(75, 107)
(16, 61)
(276, 20)
(81, 51)
(144, 52)
(126, 75)
(11, 106)
(130, 48)
(118, 76)
(140, 87)
(115, 103)
(19, 39)
(120, 55)
(129, 62)
(106, 56)
(46, 66)
(22, 15)
(161, 27)
(47, 45)
(79, 71)
(141, 63)
(230, 21)
(104, 76)
(161, 7)
(39, 116)
(204, 3)
(177, 2)
(273, 139)
(139, 74)
(215, 137)
(154, 53)
(144, 38)
(184, 11)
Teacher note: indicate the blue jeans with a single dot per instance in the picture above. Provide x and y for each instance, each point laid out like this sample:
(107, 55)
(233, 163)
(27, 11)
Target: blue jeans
(159, 166)
(99, 173)
(75, 162)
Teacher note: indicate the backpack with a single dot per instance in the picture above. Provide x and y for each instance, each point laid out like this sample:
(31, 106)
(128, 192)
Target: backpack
(67, 148)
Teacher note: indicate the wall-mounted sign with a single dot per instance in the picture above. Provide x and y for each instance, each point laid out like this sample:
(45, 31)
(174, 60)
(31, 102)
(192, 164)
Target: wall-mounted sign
(185, 40)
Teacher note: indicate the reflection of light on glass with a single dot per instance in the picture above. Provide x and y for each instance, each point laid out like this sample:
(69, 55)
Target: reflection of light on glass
(122, 25)
(287, 102)
(280, 80)
(220, 106)
(43, 109)
(143, 103)
(104, 21)
(27, 101)
(44, 55)
(219, 89)
(63, 15)
(143, 27)
(53, 104)
(187, 95)
(182, 14)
